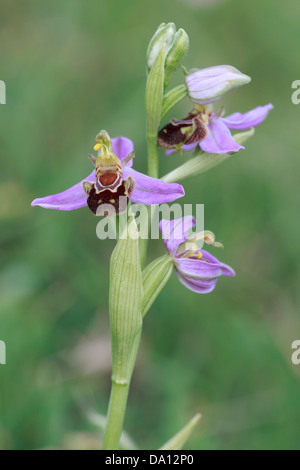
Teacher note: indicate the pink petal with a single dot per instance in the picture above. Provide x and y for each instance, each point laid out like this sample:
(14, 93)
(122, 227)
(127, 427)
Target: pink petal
(174, 232)
(219, 139)
(250, 119)
(207, 268)
(150, 191)
(72, 198)
(122, 146)
(200, 286)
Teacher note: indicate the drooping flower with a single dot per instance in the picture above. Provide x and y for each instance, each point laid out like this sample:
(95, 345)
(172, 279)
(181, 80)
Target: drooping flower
(196, 269)
(209, 85)
(208, 130)
(112, 182)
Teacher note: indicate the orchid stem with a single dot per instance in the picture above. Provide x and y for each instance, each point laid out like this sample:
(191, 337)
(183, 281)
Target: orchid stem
(153, 171)
(115, 416)
(153, 167)
(118, 403)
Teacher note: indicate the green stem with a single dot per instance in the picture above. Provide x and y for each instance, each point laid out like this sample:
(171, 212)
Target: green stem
(118, 402)
(125, 301)
(115, 416)
(153, 167)
(144, 241)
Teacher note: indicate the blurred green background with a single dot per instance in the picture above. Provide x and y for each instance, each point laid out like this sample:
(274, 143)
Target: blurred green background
(72, 68)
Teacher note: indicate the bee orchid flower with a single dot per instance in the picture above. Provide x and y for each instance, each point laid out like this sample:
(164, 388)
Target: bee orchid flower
(203, 127)
(113, 180)
(196, 269)
(210, 131)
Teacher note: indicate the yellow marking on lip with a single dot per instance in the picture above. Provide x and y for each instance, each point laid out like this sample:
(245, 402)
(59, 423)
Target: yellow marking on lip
(198, 255)
(97, 147)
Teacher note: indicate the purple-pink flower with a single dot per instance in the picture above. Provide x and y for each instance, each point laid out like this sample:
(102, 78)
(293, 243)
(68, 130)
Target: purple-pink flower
(203, 127)
(113, 177)
(214, 135)
(196, 269)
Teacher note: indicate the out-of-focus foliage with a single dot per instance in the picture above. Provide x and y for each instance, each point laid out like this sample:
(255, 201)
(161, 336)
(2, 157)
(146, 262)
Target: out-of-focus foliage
(72, 68)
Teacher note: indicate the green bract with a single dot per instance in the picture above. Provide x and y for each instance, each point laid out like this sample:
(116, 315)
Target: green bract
(204, 161)
(155, 277)
(125, 301)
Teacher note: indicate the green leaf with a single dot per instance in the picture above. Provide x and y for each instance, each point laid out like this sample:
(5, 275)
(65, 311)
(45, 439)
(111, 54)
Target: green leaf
(173, 97)
(204, 161)
(154, 93)
(125, 301)
(177, 442)
(155, 277)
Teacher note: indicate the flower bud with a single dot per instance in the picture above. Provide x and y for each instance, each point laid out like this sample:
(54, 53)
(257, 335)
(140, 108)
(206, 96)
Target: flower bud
(163, 37)
(208, 85)
(176, 54)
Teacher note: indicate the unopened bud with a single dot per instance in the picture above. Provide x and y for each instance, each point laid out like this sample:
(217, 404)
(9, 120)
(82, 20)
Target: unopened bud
(208, 85)
(176, 54)
(163, 37)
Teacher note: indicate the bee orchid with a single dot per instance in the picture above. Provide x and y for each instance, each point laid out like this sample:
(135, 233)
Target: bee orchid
(196, 269)
(203, 127)
(210, 131)
(112, 182)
